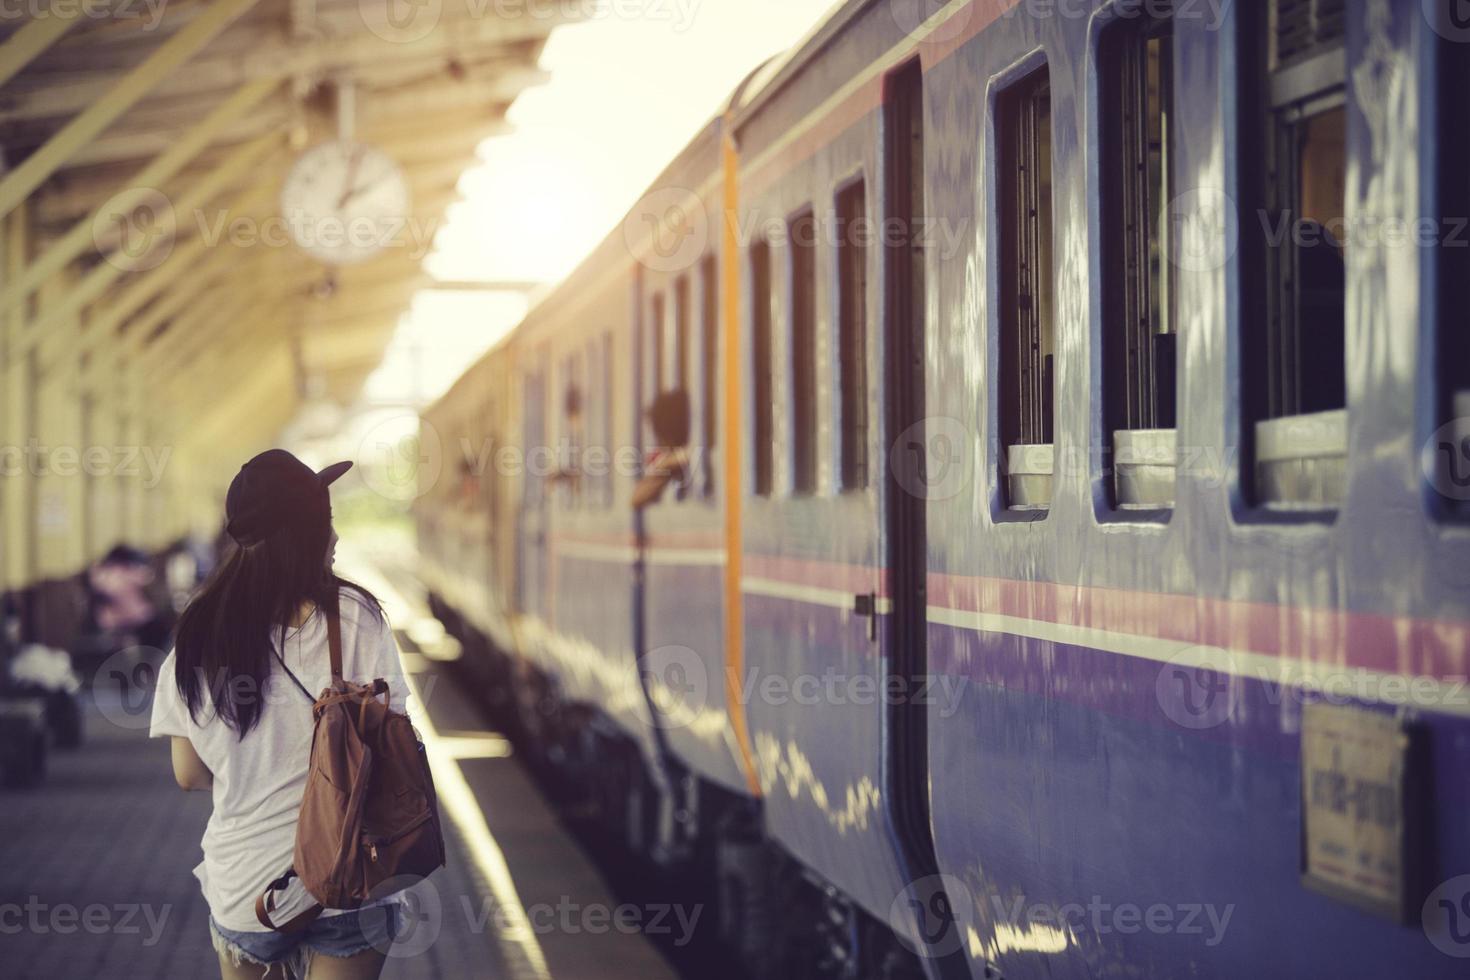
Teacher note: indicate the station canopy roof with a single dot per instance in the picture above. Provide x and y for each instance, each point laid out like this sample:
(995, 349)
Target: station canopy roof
(147, 144)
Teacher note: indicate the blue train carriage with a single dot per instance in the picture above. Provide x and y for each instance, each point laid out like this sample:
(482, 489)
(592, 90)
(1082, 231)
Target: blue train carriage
(659, 539)
(1207, 600)
(464, 510)
(456, 501)
(680, 537)
(1054, 491)
(830, 154)
(451, 504)
(574, 580)
(1082, 550)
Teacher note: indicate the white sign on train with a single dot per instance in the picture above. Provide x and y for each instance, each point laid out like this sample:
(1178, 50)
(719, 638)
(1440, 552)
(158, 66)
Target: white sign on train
(1354, 771)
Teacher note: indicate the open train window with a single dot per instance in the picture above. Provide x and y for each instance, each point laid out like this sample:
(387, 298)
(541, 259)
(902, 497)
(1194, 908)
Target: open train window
(1295, 390)
(709, 360)
(680, 374)
(490, 477)
(802, 236)
(573, 414)
(656, 335)
(598, 465)
(1027, 350)
(762, 454)
(681, 334)
(533, 395)
(852, 334)
(1451, 446)
(1139, 324)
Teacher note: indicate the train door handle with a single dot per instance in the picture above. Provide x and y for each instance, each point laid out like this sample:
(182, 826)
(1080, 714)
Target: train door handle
(866, 604)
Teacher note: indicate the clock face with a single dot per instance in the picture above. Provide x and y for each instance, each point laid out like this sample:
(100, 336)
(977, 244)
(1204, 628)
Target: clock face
(344, 202)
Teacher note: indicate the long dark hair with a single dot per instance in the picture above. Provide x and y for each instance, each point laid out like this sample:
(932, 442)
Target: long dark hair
(223, 650)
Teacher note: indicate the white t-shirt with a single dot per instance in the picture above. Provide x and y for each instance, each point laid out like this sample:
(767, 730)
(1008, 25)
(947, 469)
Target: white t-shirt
(259, 780)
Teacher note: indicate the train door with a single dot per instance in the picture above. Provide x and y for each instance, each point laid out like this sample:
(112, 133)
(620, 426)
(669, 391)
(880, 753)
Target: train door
(905, 486)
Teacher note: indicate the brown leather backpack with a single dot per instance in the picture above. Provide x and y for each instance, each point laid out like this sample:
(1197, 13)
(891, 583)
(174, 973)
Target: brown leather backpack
(369, 823)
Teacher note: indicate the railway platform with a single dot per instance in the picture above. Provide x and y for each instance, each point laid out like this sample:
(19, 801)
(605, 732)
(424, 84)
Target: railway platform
(96, 861)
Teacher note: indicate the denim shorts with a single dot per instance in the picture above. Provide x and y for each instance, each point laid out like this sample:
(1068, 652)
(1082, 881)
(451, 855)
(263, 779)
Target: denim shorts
(336, 935)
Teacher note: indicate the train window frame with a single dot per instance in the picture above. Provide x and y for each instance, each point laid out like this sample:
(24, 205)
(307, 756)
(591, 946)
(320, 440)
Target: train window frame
(850, 333)
(681, 378)
(1449, 442)
(709, 305)
(1027, 467)
(533, 401)
(657, 315)
(803, 364)
(1293, 423)
(762, 374)
(490, 473)
(1138, 382)
(600, 422)
(573, 428)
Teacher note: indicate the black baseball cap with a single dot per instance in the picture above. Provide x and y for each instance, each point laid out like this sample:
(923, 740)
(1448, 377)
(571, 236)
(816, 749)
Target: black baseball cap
(276, 490)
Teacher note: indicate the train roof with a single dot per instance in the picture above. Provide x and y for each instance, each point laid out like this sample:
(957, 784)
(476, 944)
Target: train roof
(757, 87)
(753, 92)
(772, 77)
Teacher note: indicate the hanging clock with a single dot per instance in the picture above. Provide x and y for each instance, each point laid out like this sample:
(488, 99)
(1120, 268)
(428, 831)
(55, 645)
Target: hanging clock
(344, 202)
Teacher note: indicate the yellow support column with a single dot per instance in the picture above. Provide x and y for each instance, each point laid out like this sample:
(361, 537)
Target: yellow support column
(17, 184)
(16, 498)
(107, 456)
(58, 461)
(156, 498)
(6, 452)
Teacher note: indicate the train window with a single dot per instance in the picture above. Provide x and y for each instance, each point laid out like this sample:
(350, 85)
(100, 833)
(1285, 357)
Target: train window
(591, 409)
(656, 334)
(680, 373)
(1023, 154)
(1451, 446)
(709, 349)
(1138, 340)
(852, 334)
(1293, 339)
(681, 334)
(490, 476)
(802, 236)
(573, 418)
(535, 438)
(603, 406)
(762, 420)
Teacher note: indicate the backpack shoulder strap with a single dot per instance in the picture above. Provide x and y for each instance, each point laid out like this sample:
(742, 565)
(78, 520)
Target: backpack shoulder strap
(292, 674)
(334, 638)
(266, 904)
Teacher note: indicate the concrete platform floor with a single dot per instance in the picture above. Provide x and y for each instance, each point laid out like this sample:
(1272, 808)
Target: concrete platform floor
(95, 863)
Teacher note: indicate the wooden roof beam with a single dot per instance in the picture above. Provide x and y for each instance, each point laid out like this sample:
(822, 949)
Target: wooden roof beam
(197, 330)
(71, 245)
(77, 193)
(146, 286)
(26, 44)
(274, 57)
(131, 143)
(18, 184)
(364, 339)
(189, 336)
(196, 196)
(164, 308)
(449, 95)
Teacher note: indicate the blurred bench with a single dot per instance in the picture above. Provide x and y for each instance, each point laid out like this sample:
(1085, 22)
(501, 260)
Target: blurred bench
(22, 741)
